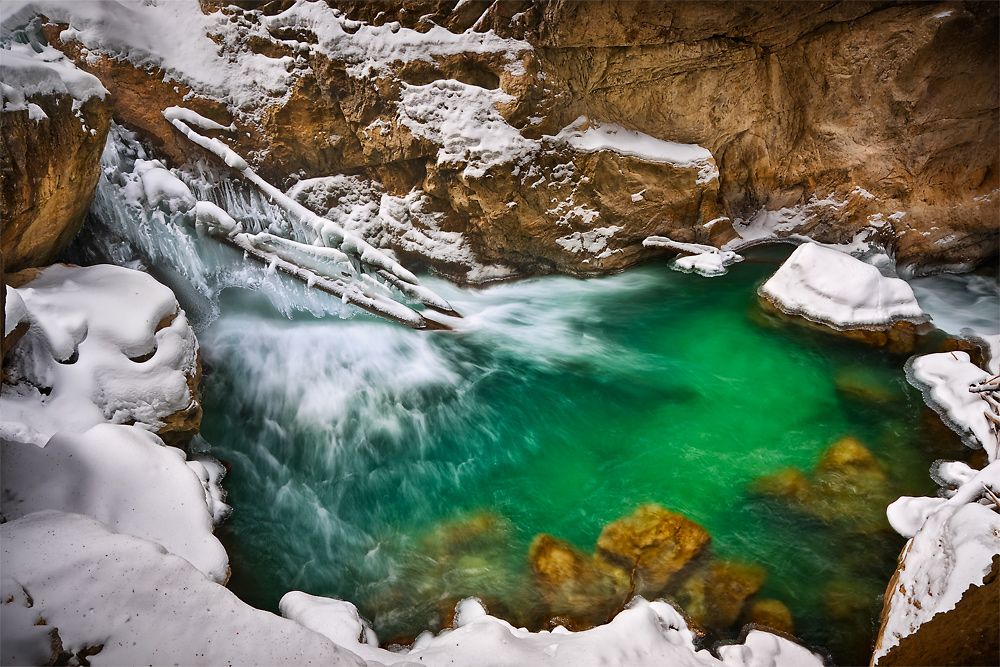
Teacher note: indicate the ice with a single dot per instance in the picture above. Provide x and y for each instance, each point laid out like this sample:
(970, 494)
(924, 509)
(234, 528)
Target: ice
(94, 353)
(161, 189)
(833, 288)
(124, 477)
(958, 302)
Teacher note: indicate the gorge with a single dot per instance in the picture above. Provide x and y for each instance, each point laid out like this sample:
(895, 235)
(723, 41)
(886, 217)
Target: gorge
(585, 396)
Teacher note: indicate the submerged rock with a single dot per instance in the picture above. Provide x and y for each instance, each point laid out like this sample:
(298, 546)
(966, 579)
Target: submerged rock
(654, 542)
(772, 614)
(574, 585)
(714, 594)
(848, 488)
(861, 385)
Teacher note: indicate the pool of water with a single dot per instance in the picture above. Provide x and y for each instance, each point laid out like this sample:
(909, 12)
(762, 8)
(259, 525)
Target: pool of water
(556, 406)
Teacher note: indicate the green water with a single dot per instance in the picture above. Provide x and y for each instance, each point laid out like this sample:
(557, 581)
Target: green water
(558, 406)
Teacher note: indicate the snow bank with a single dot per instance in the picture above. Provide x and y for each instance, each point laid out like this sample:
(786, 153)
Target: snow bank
(832, 288)
(142, 604)
(704, 260)
(25, 73)
(644, 634)
(587, 136)
(944, 378)
(124, 477)
(95, 351)
(951, 549)
(463, 120)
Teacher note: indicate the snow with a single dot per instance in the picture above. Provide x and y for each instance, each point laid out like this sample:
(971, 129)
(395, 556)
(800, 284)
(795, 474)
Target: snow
(14, 310)
(124, 477)
(952, 547)
(24, 639)
(370, 50)
(193, 118)
(83, 360)
(211, 219)
(588, 136)
(463, 120)
(594, 241)
(25, 73)
(830, 287)
(143, 604)
(161, 189)
(945, 378)
(705, 260)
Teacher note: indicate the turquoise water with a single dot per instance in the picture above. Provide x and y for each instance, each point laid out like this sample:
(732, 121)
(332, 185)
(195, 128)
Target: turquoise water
(557, 406)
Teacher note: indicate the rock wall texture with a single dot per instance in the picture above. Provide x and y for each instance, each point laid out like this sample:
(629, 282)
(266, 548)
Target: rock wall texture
(825, 119)
(49, 169)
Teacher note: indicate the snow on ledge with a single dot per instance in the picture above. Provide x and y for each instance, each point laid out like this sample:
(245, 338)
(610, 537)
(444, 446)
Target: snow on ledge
(588, 136)
(25, 73)
(832, 288)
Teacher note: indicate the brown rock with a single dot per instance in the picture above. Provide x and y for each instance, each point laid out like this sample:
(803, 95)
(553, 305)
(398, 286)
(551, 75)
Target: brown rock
(574, 585)
(849, 488)
(655, 542)
(771, 614)
(969, 634)
(859, 384)
(49, 169)
(714, 595)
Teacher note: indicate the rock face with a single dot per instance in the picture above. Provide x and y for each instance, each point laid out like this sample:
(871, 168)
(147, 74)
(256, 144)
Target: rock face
(871, 118)
(969, 634)
(53, 135)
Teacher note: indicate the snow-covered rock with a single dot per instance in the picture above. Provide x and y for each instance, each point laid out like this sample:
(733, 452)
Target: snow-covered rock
(105, 344)
(124, 477)
(945, 378)
(953, 545)
(139, 603)
(832, 288)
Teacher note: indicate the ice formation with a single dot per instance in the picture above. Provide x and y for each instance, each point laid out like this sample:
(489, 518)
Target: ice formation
(705, 260)
(833, 288)
(104, 344)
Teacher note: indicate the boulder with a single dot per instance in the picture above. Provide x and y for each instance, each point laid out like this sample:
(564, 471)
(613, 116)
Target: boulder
(574, 585)
(849, 488)
(771, 614)
(714, 594)
(654, 542)
(55, 119)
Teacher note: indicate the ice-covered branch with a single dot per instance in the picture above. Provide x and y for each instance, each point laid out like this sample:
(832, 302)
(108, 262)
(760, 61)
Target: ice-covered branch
(703, 259)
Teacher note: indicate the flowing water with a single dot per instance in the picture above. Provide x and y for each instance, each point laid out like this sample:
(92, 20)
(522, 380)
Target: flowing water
(403, 470)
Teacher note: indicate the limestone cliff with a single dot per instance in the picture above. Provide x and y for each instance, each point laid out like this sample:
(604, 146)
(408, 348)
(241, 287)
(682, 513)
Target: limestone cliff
(840, 121)
(54, 123)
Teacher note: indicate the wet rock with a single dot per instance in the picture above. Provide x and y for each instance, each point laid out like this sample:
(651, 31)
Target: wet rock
(849, 488)
(574, 585)
(714, 594)
(653, 541)
(772, 614)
